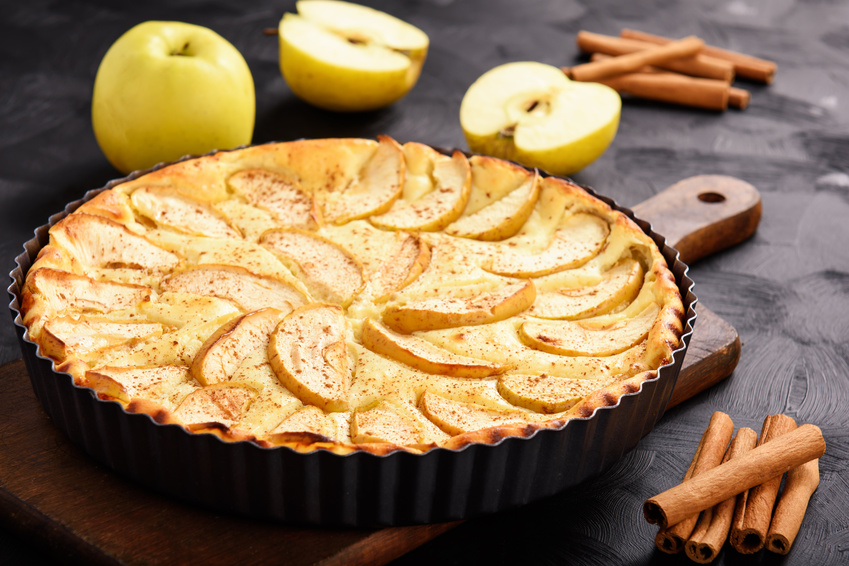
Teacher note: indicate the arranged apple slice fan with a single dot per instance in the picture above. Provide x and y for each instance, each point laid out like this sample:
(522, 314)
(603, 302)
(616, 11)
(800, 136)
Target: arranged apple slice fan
(353, 294)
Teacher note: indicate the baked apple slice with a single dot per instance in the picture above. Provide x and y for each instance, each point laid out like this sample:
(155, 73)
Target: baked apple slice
(589, 337)
(544, 393)
(457, 417)
(166, 206)
(576, 241)
(238, 253)
(225, 350)
(619, 286)
(113, 205)
(61, 290)
(309, 354)
(250, 220)
(422, 355)
(99, 242)
(247, 291)
(374, 188)
(219, 404)
(391, 260)
(331, 272)
(87, 337)
(381, 423)
(180, 310)
(502, 198)
(446, 183)
(307, 419)
(160, 383)
(447, 312)
(403, 266)
(282, 196)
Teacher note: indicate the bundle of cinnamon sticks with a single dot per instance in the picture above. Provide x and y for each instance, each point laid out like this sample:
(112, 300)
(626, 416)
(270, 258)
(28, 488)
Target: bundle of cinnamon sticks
(684, 71)
(729, 491)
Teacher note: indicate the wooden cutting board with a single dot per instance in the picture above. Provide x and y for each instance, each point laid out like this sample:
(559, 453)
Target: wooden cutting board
(69, 506)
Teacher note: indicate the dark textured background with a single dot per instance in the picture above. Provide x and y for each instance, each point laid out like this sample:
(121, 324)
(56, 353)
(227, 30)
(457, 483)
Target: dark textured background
(786, 291)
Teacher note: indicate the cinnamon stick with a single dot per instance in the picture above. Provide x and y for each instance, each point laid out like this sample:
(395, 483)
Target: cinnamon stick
(699, 65)
(738, 98)
(711, 532)
(764, 462)
(708, 455)
(652, 55)
(708, 94)
(746, 66)
(748, 535)
(652, 83)
(800, 484)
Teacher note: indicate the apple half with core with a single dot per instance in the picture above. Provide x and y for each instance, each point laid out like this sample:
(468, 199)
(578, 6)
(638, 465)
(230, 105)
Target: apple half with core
(169, 89)
(533, 114)
(349, 58)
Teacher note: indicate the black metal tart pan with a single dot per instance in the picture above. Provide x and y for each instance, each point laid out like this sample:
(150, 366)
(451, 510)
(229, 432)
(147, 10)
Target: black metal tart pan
(358, 489)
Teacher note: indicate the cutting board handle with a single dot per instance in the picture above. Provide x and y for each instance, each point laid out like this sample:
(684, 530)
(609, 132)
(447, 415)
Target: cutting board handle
(700, 216)
(703, 215)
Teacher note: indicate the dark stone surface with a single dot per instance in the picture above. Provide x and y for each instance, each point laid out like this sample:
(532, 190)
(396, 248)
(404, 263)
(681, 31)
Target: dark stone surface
(786, 291)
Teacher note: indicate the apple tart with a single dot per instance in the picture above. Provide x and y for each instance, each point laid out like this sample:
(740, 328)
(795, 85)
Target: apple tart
(353, 294)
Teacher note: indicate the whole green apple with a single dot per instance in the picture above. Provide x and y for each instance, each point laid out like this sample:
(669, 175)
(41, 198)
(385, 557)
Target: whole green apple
(169, 89)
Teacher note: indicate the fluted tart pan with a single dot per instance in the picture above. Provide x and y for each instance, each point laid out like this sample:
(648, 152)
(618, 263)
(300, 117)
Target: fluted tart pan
(359, 488)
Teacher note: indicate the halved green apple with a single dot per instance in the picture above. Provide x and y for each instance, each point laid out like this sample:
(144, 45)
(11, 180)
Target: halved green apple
(346, 57)
(533, 114)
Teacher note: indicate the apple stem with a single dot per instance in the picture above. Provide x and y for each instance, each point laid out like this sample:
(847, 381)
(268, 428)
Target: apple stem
(182, 51)
(270, 31)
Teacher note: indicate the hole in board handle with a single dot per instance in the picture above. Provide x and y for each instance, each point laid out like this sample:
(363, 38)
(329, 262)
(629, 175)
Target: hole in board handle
(711, 197)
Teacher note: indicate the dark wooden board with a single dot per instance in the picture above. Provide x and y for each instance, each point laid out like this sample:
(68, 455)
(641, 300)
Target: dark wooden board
(704, 214)
(52, 492)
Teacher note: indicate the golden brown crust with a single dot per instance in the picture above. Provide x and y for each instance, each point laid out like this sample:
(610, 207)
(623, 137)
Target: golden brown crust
(82, 274)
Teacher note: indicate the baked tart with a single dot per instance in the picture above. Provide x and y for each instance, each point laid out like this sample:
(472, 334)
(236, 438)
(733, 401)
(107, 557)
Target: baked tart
(353, 295)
